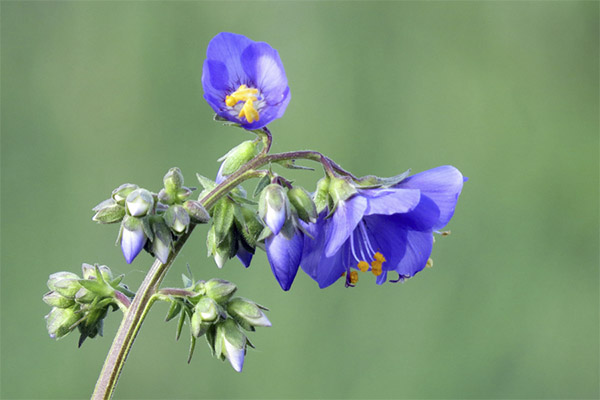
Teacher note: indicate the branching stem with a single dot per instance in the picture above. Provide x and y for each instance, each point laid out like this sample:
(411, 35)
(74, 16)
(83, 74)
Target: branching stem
(148, 290)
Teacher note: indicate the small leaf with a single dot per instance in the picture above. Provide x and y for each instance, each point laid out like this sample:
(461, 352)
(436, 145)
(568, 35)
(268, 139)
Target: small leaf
(192, 347)
(173, 310)
(207, 184)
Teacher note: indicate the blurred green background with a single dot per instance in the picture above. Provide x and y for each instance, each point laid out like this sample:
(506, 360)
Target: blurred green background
(95, 94)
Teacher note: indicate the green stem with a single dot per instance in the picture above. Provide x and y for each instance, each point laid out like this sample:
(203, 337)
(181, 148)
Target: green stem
(146, 294)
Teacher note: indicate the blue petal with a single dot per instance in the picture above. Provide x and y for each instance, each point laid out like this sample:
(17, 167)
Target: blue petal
(418, 250)
(284, 255)
(244, 255)
(442, 185)
(228, 48)
(388, 237)
(391, 201)
(264, 68)
(132, 242)
(345, 218)
(324, 270)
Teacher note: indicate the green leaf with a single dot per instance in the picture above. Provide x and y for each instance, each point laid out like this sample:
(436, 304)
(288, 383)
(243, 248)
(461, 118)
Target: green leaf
(222, 219)
(207, 184)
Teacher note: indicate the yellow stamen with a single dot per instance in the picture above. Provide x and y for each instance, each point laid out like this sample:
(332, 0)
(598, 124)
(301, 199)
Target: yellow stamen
(363, 266)
(249, 111)
(429, 263)
(376, 268)
(353, 277)
(379, 257)
(248, 96)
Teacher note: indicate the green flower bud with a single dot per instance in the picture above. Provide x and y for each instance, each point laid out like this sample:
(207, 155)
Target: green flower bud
(54, 299)
(60, 321)
(207, 309)
(108, 212)
(303, 203)
(183, 194)
(237, 157)
(161, 245)
(67, 287)
(59, 276)
(196, 211)
(321, 195)
(247, 313)
(219, 290)
(121, 193)
(84, 296)
(139, 202)
(89, 272)
(177, 218)
(166, 197)
(173, 180)
(198, 326)
(230, 342)
(272, 207)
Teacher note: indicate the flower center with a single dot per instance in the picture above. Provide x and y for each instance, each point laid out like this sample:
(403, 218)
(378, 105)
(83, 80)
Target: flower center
(362, 250)
(248, 96)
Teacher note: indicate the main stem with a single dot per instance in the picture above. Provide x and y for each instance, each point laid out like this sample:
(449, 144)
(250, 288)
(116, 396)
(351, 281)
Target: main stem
(144, 298)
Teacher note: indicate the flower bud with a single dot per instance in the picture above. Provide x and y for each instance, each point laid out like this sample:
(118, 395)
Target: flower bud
(219, 290)
(59, 321)
(272, 207)
(196, 211)
(139, 202)
(173, 180)
(230, 342)
(207, 309)
(177, 219)
(133, 238)
(121, 193)
(89, 272)
(58, 276)
(303, 203)
(161, 245)
(165, 197)
(67, 287)
(236, 157)
(108, 212)
(247, 313)
(321, 195)
(183, 194)
(54, 299)
(198, 326)
(84, 296)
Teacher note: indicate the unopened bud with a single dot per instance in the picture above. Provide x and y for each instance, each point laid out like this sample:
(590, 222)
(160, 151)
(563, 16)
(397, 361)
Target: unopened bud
(67, 287)
(236, 157)
(219, 290)
(139, 202)
(247, 313)
(196, 211)
(303, 203)
(272, 207)
(108, 212)
(54, 299)
(321, 195)
(173, 180)
(121, 193)
(231, 342)
(58, 276)
(177, 218)
(59, 321)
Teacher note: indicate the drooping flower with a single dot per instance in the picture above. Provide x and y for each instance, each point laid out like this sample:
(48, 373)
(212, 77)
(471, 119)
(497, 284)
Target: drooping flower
(284, 255)
(382, 230)
(244, 81)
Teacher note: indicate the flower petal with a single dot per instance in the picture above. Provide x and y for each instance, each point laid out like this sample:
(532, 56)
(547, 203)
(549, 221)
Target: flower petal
(264, 68)
(284, 255)
(345, 218)
(391, 201)
(227, 48)
(132, 242)
(442, 185)
(324, 270)
(418, 250)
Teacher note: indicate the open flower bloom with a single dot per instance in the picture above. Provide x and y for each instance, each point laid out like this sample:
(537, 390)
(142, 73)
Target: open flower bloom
(382, 230)
(244, 81)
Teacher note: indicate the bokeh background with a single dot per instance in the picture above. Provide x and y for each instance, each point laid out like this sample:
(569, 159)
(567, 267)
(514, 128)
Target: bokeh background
(95, 94)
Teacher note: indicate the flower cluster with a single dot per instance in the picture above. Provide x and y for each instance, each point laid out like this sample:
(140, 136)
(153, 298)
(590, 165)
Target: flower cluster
(381, 225)
(83, 302)
(151, 221)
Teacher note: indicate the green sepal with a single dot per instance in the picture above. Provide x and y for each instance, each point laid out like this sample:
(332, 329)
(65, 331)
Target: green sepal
(266, 232)
(173, 180)
(187, 282)
(174, 309)
(121, 193)
(225, 122)
(238, 156)
(110, 213)
(242, 200)
(180, 323)
(262, 183)
(219, 290)
(321, 196)
(210, 335)
(99, 288)
(67, 287)
(59, 276)
(55, 299)
(303, 203)
(177, 218)
(249, 225)
(371, 181)
(223, 213)
(192, 348)
(341, 189)
(207, 184)
(196, 211)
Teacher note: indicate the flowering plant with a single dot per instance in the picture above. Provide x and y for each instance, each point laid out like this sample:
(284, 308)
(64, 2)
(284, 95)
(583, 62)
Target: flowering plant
(348, 225)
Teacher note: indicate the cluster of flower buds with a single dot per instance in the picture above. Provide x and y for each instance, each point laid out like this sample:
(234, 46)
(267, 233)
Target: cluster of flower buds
(214, 313)
(151, 221)
(83, 302)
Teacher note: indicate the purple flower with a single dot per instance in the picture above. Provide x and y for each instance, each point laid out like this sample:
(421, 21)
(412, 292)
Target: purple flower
(244, 81)
(383, 229)
(284, 255)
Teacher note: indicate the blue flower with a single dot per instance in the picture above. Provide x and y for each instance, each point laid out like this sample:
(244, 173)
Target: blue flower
(284, 255)
(382, 230)
(244, 81)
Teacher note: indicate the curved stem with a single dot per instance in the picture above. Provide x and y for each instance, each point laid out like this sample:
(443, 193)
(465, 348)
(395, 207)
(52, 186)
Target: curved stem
(145, 296)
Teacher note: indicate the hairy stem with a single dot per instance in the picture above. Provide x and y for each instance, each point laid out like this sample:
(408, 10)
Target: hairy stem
(146, 294)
